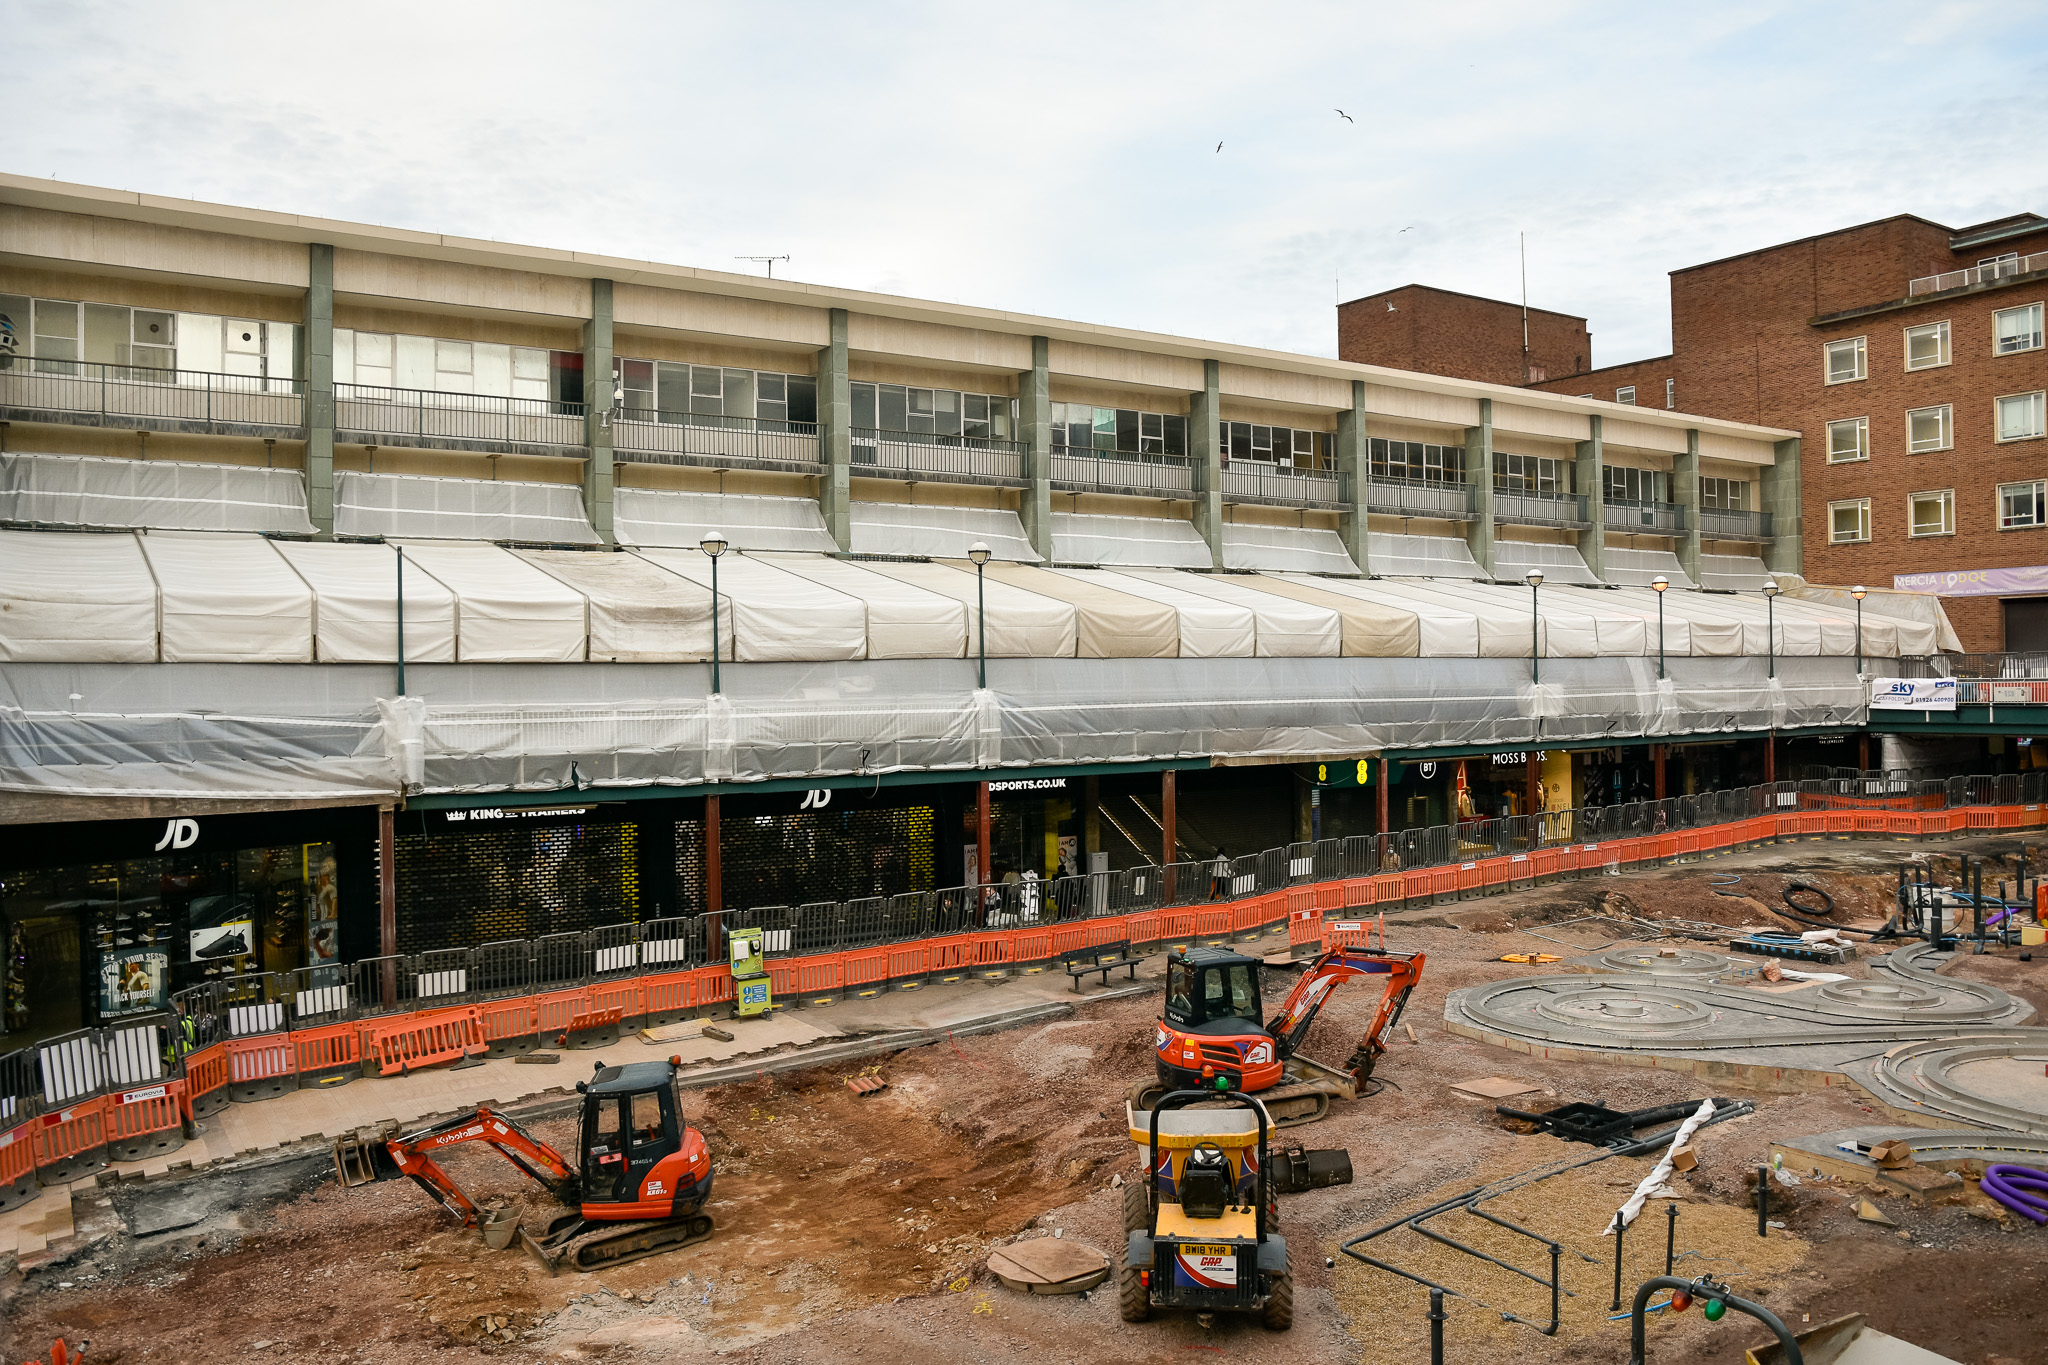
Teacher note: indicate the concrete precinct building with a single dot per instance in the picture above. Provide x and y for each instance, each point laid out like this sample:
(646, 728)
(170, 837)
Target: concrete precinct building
(353, 600)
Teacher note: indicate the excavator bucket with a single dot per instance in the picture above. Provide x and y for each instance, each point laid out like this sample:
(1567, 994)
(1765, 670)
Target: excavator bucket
(362, 1158)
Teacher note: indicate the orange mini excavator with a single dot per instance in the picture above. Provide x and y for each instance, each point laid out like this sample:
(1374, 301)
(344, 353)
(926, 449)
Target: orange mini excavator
(1211, 1037)
(639, 1189)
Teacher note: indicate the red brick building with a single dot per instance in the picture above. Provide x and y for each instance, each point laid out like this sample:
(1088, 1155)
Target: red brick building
(1438, 331)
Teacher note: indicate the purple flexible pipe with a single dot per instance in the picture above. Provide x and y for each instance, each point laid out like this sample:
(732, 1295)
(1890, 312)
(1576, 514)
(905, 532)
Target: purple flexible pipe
(2019, 1188)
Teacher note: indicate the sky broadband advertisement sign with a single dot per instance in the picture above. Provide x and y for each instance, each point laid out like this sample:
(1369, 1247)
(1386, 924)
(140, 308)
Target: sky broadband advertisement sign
(1912, 694)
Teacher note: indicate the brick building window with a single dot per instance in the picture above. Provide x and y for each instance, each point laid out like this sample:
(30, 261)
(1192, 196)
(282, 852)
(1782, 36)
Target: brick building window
(2022, 506)
(1626, 394)
(2020, 416)
(1930, 429)
(1848, 440)
(1932, 514)
(2016, 329)
(1845, 360)
(1848, 522)
(1729, 495)
(1927, 346)
(1671, 393)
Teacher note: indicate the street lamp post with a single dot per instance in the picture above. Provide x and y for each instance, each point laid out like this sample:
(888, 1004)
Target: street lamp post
(1858, 592)
(1661, 584)
(1771, 623)
(980, 554)
(713, 545)
(1534, 578)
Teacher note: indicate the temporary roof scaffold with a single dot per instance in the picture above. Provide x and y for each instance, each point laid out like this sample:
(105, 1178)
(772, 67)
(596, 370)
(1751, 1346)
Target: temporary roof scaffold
(355, 610)
(1021, 624)
(639, 613)
(1287, 627)
(74, 597)
(904, 621)
(228, 598)
(776, 615)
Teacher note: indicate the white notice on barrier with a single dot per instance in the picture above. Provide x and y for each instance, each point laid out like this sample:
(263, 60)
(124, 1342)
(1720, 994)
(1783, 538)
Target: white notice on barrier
(1912, 694)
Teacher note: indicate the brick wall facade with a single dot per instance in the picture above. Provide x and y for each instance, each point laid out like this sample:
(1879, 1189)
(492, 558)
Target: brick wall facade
(1436, 331)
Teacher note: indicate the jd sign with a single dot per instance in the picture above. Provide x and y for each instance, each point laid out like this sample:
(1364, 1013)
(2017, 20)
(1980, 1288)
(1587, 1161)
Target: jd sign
(178, 834)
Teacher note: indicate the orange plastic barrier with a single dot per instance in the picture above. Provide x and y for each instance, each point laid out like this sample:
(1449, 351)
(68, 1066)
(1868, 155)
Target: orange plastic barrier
(553, 1010)
(70, 1141)
(17, 1166)
(206, 1079)
(145, 1120)
(621, 994)
(330, 1054)
(507, 1024)
(397, 1046)
(261, 1068)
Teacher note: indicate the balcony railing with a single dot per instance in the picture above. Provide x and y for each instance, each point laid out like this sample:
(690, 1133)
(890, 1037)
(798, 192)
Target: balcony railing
(1540, 509)
(1121, 471)
(1727, 524)
(1279, 483)
(428, 414)
(1627, 514)
(1419, 498)
(87, 391)
(1978, 274)
(911, 452)
(645, 436)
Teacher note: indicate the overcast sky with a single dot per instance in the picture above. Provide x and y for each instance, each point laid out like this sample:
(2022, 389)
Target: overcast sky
(1061, 158)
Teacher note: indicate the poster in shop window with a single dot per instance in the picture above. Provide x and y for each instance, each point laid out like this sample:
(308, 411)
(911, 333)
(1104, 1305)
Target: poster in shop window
(323, 906)
(131, 982)
(222, 928)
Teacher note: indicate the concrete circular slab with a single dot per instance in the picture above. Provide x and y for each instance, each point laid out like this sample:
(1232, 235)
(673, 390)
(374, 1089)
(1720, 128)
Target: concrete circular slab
(1049, 1265)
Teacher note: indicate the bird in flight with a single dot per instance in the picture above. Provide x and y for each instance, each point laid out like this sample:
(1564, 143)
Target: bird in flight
(1346, 117)
(1219, 146)
(1409, 228)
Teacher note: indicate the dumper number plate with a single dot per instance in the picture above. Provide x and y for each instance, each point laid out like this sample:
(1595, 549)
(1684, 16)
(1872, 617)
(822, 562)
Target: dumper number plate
(1200, 1265)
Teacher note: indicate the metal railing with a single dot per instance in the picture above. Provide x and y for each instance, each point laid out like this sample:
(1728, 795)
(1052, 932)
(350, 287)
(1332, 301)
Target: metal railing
(87, 389)
(1278, 483)
(1978, 274)
(1540, 509)
(431, 414)
(2015, 679)
(646, 436)
(1729, 524)
(1419, 497)
(1083, 467)
(912, 452)
(1627, 514)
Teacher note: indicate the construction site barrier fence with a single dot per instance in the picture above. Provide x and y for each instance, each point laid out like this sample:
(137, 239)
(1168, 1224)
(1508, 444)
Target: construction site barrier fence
(124, 1090)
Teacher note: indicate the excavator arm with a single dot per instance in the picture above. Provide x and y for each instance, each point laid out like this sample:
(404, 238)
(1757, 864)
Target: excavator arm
(411, 1155)
(1291, 1025)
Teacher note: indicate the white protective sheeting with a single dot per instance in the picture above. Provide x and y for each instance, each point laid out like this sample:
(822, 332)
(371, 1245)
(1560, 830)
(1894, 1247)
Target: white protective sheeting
(1398, 555)
(1441, 632)
(1507, 615)
(1108, 624)
(1209, 628)
(506, 610)
(423, 507)
(1141, 542)
(355, 619)
(1838, 627)
(1370, 629)
(1629, 568)
(172, 495)
(1709, 632)
(892, 528)
(1733, 573)
(73, 597)
(1498, 634)
(776, 615)
(228, 599)
(1570, 611)
(1621, 617)
(639, 614)
(1021, 624)
(673, 517)
(1284, 549)
(904, 620)
(1921, 609)
(1512, 560)
(1288, 627)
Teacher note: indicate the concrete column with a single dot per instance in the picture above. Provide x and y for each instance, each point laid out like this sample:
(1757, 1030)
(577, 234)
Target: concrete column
(319, 379)
(598, 407)
(1685, 491)
(1205, 454)
(1034, 430)
(835, 435)
(1592, 479)
(1779, 495)
(1479, 473)
(1354, 467)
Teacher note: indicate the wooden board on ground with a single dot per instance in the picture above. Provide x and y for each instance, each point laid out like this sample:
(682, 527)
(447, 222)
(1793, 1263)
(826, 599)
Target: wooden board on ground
(1049, 1265)
(1495, 1087)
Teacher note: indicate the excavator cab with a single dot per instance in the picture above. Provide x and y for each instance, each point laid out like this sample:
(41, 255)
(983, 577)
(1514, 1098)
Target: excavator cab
(626, 1132)
(1209, 990)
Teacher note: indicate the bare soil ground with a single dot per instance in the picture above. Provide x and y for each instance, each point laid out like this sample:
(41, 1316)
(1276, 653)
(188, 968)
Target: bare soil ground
(856, 1229)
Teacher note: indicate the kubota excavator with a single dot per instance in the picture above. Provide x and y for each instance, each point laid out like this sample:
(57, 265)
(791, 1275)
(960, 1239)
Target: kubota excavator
(639, 1189)
(1211, 1037)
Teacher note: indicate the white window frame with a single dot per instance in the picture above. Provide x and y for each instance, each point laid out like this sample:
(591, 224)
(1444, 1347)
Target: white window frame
(1945, 415)
(1827, 360)
(1947, 527)
(2035, 331)
(1862, 508)
(1941, 336)
(2040, 402)
(2039, 490)
(1626, 394)
(1862, 426)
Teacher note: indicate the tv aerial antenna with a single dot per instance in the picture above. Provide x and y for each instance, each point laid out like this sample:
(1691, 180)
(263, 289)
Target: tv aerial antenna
(768, 260)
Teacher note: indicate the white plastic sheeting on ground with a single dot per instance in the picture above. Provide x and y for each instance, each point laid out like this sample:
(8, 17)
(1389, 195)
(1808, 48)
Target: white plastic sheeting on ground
(1512, 560)
(506, 610)
(95, 490)
(1284, 549)
(73, 597)
(673, 517)
(1733, 573)
(1629, 568)
(1021, 624)
(776, 615)
(890, 528)
(1288, 627)
(904, 620)
(1209, 628)
(639, 613)
(1109, 624)
(1370, 629)
(424, 507)
(355, 609)
(228, 599)
(1920, 608)
(1143, 542)
(1406, 556)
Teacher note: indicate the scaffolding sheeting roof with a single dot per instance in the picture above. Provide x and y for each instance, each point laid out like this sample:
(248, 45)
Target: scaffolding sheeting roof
(1399, 554)
(1512, 559)
(1284, 549)
(1918, 608)
(103, 491)
(776, 615)
(1142, 542)
(506, 610)
(1021, 624)
(1733, 573)
(356, 604)
(74, 597)
(904, 621)
(1288, 626)
(1708, 633)
(681, 518)
(1209, 628)
(228, 598)
(428, 507)
(891, 528)
(1632, 568)
(1370, 629)
(1110, 624)
(1506, 620)
(1606, 605)
(639, 614)
(1440, 632)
